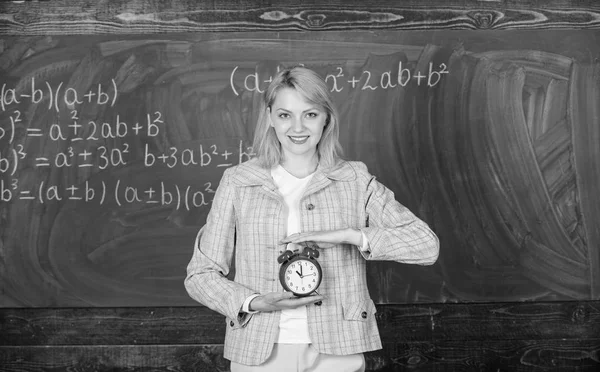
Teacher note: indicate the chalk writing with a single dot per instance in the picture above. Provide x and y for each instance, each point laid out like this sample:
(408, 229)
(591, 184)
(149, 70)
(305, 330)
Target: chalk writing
(180, 197)
(365, 80)
(201, 156)
(68, 95)
(104, 145)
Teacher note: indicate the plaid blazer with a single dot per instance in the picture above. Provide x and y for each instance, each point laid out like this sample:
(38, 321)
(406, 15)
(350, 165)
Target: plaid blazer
(248, 219)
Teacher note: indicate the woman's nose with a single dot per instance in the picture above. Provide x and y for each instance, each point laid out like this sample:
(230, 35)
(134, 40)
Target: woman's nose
(298, 125)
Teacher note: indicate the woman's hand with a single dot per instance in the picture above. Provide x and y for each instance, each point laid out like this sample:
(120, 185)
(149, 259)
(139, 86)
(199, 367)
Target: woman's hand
(281, 300)
(327, 239)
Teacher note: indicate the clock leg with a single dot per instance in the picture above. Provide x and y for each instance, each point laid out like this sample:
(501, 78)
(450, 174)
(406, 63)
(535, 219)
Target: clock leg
(318, 303)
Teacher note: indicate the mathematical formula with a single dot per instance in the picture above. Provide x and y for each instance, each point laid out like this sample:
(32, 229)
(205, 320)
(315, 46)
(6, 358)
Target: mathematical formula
(101, 145)
(69, 96)
(179, 197)
(103, 157)
(93, 130)
(365, 80)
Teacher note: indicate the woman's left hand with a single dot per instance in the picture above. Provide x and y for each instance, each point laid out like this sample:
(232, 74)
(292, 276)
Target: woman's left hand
(327, 239)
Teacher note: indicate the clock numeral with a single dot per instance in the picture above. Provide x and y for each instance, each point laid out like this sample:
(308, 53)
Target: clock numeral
(291, 284)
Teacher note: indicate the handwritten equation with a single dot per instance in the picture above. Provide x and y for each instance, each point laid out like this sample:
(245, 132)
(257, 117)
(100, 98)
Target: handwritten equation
(179, 197)
(69, 96)
(104, 145)
(103, 157)
(365, 80)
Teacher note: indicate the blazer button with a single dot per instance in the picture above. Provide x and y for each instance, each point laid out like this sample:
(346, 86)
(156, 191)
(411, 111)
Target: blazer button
(231, 323)
(310, 207)
(364, 315)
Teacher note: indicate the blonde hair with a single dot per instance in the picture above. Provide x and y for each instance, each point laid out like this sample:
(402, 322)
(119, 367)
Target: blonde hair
(314, 89)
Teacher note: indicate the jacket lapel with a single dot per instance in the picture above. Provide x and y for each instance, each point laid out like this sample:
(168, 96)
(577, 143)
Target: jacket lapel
(251, 174)
(325, 176)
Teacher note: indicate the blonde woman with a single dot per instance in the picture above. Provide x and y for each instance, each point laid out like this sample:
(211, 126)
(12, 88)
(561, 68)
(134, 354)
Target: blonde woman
(298, 189)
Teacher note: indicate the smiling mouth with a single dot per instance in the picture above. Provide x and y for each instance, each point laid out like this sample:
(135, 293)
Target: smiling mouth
(298, 140)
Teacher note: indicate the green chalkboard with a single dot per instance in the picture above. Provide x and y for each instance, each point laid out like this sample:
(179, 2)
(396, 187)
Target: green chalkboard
(111, 148)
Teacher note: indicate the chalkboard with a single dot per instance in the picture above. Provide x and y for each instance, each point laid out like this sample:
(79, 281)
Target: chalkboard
(111, 148)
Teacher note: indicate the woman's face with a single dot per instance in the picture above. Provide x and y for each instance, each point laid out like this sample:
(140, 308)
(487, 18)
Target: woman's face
(298, 124)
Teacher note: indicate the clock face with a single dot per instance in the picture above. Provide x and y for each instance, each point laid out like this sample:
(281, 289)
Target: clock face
(301, 276)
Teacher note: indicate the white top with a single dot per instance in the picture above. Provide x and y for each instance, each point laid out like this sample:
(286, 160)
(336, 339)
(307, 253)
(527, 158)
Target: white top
(293, 323)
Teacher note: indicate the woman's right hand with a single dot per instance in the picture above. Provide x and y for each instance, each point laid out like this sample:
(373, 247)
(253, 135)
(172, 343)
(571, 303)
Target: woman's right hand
(281, 300)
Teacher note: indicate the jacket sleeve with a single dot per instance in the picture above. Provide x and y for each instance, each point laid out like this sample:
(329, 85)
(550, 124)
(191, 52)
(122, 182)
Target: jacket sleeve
(394, 233)
(206, 280)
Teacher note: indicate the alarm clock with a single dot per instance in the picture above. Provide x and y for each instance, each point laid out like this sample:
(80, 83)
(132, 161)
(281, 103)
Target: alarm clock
(300, 272)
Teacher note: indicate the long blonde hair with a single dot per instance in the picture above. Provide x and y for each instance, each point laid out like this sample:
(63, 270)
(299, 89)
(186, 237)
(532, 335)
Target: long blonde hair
(314, 89)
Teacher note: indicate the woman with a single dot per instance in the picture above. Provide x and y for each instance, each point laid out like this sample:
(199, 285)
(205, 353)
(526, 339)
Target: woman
(297, 189)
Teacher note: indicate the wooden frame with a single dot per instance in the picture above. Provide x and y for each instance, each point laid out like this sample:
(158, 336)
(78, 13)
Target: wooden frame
(499, 336)
(145, 16)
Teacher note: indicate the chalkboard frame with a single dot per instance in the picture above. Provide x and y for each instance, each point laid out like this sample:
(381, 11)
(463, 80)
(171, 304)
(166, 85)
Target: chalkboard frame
(154, 17)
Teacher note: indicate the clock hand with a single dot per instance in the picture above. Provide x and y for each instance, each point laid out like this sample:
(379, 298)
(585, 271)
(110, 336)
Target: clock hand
(299, 274)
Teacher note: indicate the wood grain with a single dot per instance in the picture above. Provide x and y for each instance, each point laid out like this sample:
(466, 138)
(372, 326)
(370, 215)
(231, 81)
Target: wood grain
(519, 355)
(136, 358)
(146, 16)
(554, 336)
(514, 355)
(398, 323)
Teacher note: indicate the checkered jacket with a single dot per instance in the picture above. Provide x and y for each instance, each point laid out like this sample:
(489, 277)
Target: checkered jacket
(248, 219)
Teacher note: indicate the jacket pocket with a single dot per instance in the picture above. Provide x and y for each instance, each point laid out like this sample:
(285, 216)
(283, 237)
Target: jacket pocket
(362, 310)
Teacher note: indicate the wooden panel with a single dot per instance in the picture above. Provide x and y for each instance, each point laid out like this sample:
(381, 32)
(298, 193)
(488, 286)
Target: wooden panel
(499, 321)
(515, 355)
(397, 323)
(147, 16)
(111, 326)
(129, 358)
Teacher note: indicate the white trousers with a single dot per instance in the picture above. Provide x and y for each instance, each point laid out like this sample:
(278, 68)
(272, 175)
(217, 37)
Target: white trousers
(304, 358)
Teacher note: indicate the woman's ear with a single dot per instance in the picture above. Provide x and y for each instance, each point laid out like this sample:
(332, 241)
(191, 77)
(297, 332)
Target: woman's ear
(269, 116)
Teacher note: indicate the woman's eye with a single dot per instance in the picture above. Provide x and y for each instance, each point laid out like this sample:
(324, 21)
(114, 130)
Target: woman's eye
(283, 115)
(312, 114)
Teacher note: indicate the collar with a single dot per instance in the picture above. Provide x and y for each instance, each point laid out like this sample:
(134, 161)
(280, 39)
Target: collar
(250, 173)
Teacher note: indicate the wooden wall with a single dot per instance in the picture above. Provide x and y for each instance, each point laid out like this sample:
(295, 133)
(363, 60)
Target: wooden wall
(557, 336)
(519, 336)
(145, 16)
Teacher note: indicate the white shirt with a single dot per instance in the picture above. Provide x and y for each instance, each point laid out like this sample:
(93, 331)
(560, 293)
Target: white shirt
(293, 323)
